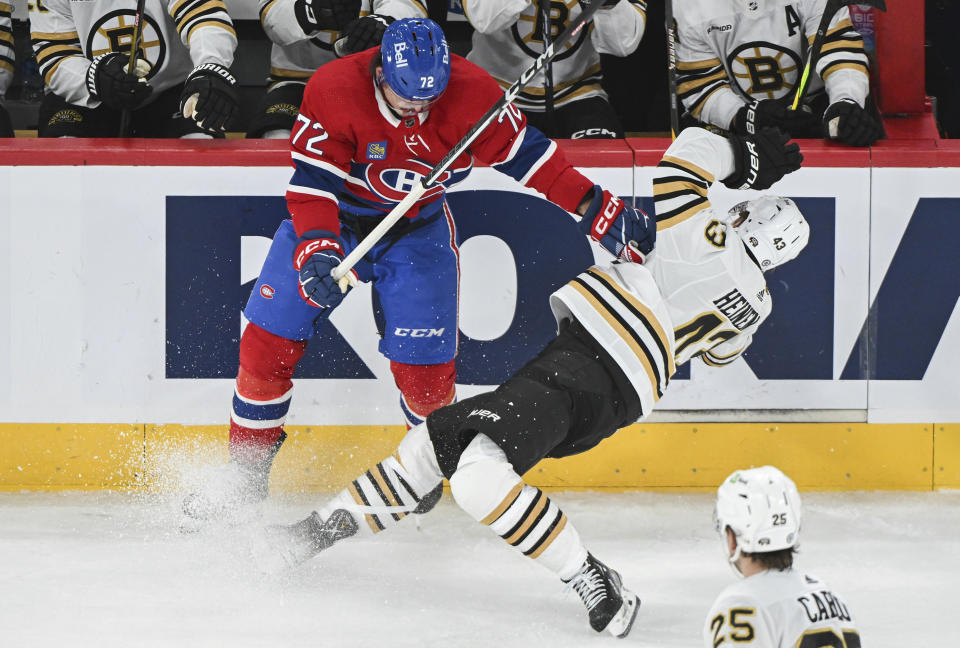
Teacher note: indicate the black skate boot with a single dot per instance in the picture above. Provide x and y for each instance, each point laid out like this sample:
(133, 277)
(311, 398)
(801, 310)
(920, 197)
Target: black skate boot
(428, 501)
(230, 488)
(612, 606)
(299, 542)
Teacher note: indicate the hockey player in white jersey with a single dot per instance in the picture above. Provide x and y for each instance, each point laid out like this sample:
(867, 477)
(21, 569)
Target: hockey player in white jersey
(623, 329)
(181, 86)
(309, 33)
(6, 64)
(739, 63)
(508, 37)
(758, 516)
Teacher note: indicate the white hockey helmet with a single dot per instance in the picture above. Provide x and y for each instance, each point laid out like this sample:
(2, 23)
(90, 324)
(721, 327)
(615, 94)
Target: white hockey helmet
(774, 230)
(762, 508)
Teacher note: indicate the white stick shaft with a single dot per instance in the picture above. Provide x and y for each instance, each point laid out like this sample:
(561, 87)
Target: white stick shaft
(377, 233)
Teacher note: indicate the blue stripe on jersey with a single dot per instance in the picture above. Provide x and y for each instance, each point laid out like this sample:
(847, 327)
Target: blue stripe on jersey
(307, 175)
(255, 412)
(534, 145)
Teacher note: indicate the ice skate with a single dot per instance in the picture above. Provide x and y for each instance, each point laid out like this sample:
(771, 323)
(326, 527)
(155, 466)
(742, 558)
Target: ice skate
(230, 489)
(611, 606)
(299, 542)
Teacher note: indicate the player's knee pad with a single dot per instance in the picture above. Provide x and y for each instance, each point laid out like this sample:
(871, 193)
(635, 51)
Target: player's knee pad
(486, 486)
(424, 388)
(484, 479)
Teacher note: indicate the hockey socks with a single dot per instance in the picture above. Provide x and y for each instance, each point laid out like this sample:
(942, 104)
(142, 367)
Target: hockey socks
(486, 487)
(392, 489)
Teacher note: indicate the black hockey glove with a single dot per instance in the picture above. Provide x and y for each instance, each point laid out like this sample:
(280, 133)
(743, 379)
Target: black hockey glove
(209, 97)
(765, 113)
(846, 121)
(317, 15)
(625, 232)
(319, 252)
(108, 81)
(763, 159)
(363, 34)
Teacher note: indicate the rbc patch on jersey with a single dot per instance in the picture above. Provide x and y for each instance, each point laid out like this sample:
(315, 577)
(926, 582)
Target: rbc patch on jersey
(377, 150)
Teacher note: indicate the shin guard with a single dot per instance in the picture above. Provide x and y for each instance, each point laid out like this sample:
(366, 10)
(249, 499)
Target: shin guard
(389, 491)
(486, 487)
(262, 395)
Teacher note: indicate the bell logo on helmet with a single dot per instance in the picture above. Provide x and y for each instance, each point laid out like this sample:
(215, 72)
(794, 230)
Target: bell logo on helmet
(398, 58)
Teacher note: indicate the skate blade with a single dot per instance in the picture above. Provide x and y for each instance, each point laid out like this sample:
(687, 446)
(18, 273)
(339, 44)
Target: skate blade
(621, 624)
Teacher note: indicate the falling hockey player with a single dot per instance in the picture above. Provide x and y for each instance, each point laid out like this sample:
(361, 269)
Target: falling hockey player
(623, 329)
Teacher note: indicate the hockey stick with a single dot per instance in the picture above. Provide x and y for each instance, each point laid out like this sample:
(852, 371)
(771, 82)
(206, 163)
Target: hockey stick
(508, 96)
(126, 114)
(833, 6)
(543, 19)
(672, 67)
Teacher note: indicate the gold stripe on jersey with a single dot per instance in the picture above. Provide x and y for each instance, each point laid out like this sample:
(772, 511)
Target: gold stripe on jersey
(264, 10)
(6, 36)
(841, 26)
(845, 65)
(628, 336)
(504, 505)
(421, 6)
(680, 195)
(697, 80)
(51, 49)
(6, 8)
(5, 65)
(189, 15)
(643, 313)
(220, 24)
(54, 36)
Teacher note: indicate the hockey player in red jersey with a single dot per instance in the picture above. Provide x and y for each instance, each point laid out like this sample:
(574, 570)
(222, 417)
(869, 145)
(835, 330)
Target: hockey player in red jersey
(370, 127)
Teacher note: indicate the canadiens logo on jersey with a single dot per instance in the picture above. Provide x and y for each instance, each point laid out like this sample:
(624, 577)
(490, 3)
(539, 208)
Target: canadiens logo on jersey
(113, 32)
(390, 184)
(377, 150)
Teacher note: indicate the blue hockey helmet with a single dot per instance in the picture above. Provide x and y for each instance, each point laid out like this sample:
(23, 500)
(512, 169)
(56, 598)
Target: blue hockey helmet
(416, 59)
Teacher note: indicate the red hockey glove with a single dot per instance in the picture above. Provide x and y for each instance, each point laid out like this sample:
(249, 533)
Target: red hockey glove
(625, 232)
(317, 254)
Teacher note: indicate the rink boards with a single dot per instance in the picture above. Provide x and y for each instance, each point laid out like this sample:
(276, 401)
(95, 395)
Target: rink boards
(127, 267)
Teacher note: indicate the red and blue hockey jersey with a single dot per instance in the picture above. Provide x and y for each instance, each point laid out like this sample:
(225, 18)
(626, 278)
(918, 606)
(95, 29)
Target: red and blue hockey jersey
(351, 153)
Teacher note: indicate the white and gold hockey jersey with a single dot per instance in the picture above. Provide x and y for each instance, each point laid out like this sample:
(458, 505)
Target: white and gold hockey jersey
(6, 47)
(295, 56)
(507, 40)
(699, 293)
(178, 35)
(780, 609)
(730, 52)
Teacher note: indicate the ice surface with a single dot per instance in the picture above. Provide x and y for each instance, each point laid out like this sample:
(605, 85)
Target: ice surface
(111, 570)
